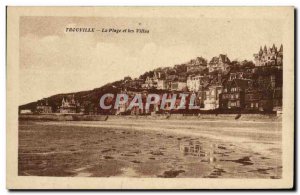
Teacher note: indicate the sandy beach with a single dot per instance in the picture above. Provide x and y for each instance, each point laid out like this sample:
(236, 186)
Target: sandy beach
(151, 148)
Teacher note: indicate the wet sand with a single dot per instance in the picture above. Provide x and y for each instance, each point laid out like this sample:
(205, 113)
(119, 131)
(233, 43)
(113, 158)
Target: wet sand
(151, 148)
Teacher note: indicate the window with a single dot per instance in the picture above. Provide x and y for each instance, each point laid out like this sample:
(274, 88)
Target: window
(252, 105)
(256, 105)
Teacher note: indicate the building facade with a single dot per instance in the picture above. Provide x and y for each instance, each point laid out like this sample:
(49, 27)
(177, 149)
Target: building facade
(253, 99)
(219, 63)
(178, 86)
(194, 83)
(43, 107)
(162, 84)
(212, 94)
(233, 96)
(197, 64)
(69, 105)
(269, 56)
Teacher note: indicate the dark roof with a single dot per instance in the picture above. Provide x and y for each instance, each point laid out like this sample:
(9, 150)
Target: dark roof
(216, 59)
(242, 83)
(224, 58)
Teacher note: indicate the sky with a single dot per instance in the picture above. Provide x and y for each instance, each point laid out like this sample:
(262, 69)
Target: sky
(54, 61)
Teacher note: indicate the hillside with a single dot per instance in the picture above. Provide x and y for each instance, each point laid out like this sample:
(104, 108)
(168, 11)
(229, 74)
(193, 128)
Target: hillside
(87, 98)
(181, 77)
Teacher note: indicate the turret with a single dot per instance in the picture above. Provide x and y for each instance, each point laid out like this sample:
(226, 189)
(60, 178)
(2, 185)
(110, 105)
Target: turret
(281, 48)
(274, 49)
(265, 49)
(260, 51)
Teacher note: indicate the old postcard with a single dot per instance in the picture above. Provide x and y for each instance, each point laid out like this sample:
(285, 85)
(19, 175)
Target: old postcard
(150, 97)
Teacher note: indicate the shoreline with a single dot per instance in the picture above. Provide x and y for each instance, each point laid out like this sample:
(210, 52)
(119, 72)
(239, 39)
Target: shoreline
(211, 117)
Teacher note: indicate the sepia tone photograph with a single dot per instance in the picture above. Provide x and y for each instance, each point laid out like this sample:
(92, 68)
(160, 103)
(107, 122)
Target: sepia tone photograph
(205, 94)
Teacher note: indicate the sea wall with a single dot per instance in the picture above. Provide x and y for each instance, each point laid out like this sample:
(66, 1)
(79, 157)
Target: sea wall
(67, 117)
(45, 117)
(236, 117)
